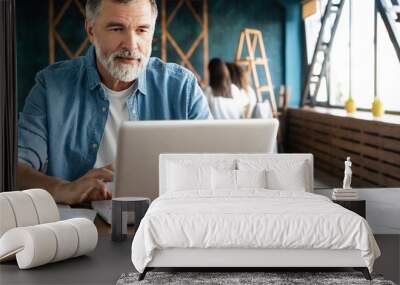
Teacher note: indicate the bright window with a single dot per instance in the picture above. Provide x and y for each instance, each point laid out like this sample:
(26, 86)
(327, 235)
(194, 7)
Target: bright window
(340, 61)
(388, 67)
(362, 55)
(351, 66)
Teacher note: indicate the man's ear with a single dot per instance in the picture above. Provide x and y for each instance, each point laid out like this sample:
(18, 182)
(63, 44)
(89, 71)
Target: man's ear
(89, 27)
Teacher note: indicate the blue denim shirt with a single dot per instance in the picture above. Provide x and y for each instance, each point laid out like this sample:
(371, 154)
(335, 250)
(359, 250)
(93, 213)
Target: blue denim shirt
(65, 114)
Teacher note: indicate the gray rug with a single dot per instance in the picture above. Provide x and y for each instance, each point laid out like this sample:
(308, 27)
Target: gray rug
(243, 278)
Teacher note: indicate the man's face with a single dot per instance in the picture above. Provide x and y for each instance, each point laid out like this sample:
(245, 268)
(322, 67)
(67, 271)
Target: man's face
(122, 35)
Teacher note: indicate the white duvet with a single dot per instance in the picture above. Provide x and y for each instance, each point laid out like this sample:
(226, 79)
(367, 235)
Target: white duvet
(250, 219)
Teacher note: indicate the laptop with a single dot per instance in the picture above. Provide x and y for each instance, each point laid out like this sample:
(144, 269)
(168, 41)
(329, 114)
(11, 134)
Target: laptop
(141, 142)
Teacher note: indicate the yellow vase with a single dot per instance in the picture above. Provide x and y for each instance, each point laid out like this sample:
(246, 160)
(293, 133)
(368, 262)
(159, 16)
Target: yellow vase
(350, 105)
(377, 107)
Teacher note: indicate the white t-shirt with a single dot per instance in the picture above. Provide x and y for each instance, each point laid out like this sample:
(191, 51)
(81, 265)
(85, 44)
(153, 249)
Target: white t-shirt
(225, 108)
(252, 96)
(249, 101)
(117, 113)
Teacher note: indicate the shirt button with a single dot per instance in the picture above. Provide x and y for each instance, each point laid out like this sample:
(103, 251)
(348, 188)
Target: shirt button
(94, 145)
(104, 109)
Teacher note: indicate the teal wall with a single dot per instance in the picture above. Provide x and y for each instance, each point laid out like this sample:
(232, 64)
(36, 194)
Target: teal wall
(226, 25)
(293, 50)
(279, 22)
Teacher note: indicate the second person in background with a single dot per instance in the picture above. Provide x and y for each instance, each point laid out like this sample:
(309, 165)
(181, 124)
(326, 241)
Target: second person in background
(239, 77)
(223, 97)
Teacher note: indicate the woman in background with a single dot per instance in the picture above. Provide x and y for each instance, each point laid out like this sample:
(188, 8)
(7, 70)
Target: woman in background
(248, 97)
(222, 95)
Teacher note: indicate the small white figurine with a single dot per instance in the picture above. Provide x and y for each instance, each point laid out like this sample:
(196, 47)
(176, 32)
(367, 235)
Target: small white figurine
(347, 174)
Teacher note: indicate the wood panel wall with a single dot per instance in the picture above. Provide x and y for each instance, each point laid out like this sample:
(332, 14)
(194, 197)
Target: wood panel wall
(374, 146)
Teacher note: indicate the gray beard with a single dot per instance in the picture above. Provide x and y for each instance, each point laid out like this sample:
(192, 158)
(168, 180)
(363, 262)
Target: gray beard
(121, 71)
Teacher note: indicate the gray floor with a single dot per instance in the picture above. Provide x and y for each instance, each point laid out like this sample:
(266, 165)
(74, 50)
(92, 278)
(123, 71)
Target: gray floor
(389, 263)
(106, 264)
(103, 266)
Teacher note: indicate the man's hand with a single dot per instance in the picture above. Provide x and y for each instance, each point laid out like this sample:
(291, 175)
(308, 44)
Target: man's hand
(89, 187)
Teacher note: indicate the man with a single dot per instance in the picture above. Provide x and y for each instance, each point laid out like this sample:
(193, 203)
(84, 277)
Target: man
(68, 128)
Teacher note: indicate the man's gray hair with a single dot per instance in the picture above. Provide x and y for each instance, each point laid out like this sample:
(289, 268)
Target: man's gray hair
(93, 6)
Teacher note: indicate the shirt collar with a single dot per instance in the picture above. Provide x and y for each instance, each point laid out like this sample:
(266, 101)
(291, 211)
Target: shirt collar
(93, 74)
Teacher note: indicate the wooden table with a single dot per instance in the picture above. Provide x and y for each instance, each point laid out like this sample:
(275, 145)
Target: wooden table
(104, 228)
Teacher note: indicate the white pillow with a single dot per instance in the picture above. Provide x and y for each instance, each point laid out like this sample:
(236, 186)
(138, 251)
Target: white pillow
(251, 179)
(227, 179)
(181, 177)
(293, 179)
(282, 174)
(223, 179)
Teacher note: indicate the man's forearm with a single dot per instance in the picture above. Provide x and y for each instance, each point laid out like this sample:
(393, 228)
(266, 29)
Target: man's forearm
(89, 187)
(27, 177)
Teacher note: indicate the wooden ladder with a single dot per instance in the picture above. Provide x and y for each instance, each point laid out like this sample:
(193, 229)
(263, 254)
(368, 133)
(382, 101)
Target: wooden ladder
(252, 39)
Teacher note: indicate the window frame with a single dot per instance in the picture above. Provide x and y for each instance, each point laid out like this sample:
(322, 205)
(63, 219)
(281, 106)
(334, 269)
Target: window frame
(394, 35)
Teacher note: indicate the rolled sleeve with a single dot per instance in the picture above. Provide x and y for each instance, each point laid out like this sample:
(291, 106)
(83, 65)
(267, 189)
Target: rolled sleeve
(198, 108)
(32, 127)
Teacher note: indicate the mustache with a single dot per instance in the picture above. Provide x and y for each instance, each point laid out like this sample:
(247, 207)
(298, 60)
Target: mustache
(128, 54)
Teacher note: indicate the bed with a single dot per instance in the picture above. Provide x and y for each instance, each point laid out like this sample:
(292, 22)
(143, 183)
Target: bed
(246, 211)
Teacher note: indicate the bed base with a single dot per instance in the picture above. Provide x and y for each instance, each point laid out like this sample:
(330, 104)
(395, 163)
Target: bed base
(241, 259)
(363, 270)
